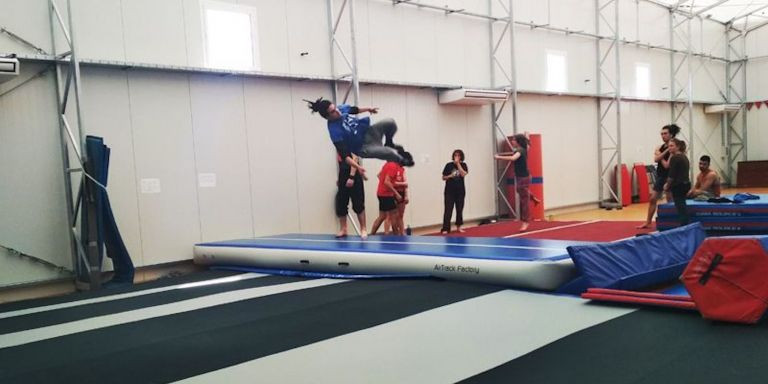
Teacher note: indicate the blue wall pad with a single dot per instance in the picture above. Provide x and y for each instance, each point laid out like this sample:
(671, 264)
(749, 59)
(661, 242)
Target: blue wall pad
(521, 263)
(638, 262)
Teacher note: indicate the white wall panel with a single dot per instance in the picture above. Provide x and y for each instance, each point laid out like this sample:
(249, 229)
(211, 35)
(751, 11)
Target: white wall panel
(711, 39)
(641, 124)
(450, 42)
(28, 19)
(155, 32)
(629, 20)
(532, 60)
(193, 32)
(479, 151)
(315, 161)
(32, 197)
(575, 15)
(757, 79)
(385, 58)
(757, 134)
(308, 32)
(426, 205)
(272, 155)
(99, 29)
(569, 146)
(530, 11)
(106, 107)
(755, 42)
(757, 68)
(707, 140)
(221, 150)
(273, 34)
(654, 25)
(708, 80)
(420, 45)
(477, 58)
(658, 63)
(164, 149)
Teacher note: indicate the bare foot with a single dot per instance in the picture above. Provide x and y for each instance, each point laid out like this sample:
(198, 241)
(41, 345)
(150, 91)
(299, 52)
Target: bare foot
(444, 232)
(523, 227)
(460, 230)
(645, 225)
(363, 235)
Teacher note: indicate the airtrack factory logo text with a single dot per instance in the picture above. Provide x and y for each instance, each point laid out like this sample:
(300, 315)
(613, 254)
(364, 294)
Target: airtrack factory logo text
(457, 268)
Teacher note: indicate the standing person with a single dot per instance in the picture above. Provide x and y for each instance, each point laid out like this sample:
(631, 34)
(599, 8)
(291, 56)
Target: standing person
(401, 186)
(661, 157)
(388, 197)
(350, 187)
(707, 182)
(519, 155)
(454, 193)
(678, 181)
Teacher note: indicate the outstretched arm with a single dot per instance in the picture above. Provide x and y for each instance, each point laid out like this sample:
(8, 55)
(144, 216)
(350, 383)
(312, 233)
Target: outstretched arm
(348, 157)
(506, 156)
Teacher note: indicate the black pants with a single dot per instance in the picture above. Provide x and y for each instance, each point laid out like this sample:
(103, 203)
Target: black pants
(679, 193)
(356, 193)
(451, 200)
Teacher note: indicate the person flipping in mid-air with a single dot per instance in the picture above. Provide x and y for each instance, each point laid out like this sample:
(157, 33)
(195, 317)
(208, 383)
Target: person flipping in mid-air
(354, 136)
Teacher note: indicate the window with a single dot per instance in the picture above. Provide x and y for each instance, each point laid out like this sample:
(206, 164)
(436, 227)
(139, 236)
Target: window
(557, 78)
(642, 80)
(231, 38)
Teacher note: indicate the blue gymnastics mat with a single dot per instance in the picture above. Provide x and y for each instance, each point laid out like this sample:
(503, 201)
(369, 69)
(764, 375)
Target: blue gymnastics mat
(523, 263)
(747, 217)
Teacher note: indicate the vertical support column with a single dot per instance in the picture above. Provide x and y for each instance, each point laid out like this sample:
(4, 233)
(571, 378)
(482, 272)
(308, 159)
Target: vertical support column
(509, 83)
(608, 104)
(350, 77)
(681, 82)
(735, 124)
(86, 261)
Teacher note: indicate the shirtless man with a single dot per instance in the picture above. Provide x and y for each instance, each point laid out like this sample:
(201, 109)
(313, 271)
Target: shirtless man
(707, 182)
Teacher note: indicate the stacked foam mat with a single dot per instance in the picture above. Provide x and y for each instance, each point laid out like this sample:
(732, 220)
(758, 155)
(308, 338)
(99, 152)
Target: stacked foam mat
(730, 216)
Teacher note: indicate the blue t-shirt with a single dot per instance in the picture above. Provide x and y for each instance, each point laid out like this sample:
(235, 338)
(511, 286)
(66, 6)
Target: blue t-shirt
(349, 129)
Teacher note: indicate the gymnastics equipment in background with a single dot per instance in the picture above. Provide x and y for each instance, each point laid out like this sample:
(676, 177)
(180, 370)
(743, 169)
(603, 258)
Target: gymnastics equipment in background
(642, 183)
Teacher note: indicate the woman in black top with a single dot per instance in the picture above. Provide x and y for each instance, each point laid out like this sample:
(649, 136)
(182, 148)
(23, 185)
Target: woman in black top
(453, 175)
(522, 176)
(678, 181)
